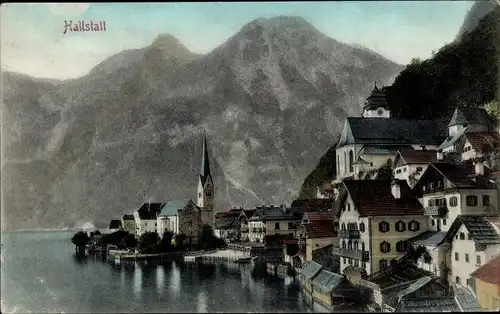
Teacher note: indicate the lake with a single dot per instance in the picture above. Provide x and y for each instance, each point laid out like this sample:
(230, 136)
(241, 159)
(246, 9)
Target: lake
(39, 273)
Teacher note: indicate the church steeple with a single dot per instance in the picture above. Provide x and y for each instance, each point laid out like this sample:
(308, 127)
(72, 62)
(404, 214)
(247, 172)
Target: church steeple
(205, 165)
(376, 105)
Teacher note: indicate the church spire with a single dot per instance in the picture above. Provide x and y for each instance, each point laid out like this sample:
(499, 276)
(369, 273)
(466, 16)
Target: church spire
(205, 166)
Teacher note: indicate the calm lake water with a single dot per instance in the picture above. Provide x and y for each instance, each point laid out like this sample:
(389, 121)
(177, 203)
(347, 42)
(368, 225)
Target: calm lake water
(39, 274)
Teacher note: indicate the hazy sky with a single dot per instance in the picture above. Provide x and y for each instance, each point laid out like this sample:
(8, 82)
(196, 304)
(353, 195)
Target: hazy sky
(32, 39)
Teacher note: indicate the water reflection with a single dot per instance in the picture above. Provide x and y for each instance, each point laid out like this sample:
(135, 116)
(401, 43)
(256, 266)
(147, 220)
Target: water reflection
(175, 280)
(137, 281)
(160, 279)
(202, 302)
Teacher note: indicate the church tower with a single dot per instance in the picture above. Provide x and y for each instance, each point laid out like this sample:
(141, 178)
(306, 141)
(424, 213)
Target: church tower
(205, 197)
(376, 105)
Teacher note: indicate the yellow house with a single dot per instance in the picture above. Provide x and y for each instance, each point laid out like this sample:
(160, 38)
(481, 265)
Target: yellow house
(487, 284)
(318, 231)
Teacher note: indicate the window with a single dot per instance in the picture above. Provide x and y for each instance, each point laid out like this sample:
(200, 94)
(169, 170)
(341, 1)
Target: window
(348, 207)
(469, 237)
(385, 247)
(349, 245)
(404, 169)
(199, 194)
(486, 200)
(371, 164)
(478, 260)
(466, 257)
(355, 245)
(351, 161)
(462, 236)
(456, 256)
(364, 265)
(433, 222)
(362, 227)
(345, 260)
(343, 244)
(356, 263)
(457, 280)
(383, 264)
(363, 246)
(343, 226)
(444, 222)
(419, 169)
(471, 200)
(400, 226)
(383, 226)
(414, 225)
(350, 261)
(398, 171)
(453, 201)
(338, 164)
(276, 226)
(401, 246)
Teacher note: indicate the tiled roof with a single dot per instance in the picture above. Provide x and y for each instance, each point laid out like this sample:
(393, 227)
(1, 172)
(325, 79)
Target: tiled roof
(327, 281)
(489, 272)
(320, 229)
(374, 198)
(150, 211)
(418, 156)
(128, 217)
(458, 174)
(466, 301)
(324, 257)
(313, 203)
(383, 149)
(450, 140)
(480, 229)
(318, 216)
(429, 238)
(419, 283)
(392, 131)
(249, 212)
(483, 141)
(172, 207)
(429, 305)
(226, 223)
(310, 270)
(465, 115)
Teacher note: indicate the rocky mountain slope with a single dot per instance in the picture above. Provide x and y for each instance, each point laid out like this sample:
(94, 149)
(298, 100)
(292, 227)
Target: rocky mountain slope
(271, 100)
(463, 73)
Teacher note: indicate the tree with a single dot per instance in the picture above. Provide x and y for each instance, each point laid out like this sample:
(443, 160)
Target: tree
(80, 240)
(207, 239)
(114, 238)
(415, 253)
(180, 240)
(165, 244)
(128, 242)
(147, 242)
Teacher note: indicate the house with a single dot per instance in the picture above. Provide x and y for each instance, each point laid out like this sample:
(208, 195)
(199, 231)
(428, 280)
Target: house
(376, 137)
(115, 224)
(474, 242)
(330, 289)
(486, 283)
(409, 165)
(128, 223)
(376, 219)
(318, 231)
(308, 272)
(181, 217)
(227, 228)
(433, 242)
(146, 217)
(460, 142)
(448, 190)
(244, 217)
(274, 220)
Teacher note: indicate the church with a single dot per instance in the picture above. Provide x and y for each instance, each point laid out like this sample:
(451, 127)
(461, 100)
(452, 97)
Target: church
(186, 216)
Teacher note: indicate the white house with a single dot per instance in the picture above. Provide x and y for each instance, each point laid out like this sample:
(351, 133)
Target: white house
(146, 217)
(409, 165)
(168, 219)
(227, 228)
(376, 137)
(376, 218)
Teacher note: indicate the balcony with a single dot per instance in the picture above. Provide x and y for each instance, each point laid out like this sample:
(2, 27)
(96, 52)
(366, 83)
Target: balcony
(243, 228)
(349, 234)
(436, 211)
(356, 254)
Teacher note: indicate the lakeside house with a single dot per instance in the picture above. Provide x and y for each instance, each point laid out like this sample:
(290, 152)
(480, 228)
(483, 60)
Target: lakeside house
(168, 219)
(486, 284)
(181, 217)
(227, 228)
(409, 165)
(273, 220)
(128, 223)
(318, 231)
(145, 217)
(244, 218)
(377, 218)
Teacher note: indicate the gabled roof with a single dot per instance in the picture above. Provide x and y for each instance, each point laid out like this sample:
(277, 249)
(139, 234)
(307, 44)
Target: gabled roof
(428, 305)
(489, 272)
(226, 223)
(361, 130)
(483, 141)
(374, 198)
(416, 285)
(417, 156)
(320, 225)
(327, 281)
(150, 211)
(115, 224)
(266, 213)
(465, 300)
(466, 115)
(480, 229)
(383, 150)
(429, 238)
(128, 217)
(310, 270)
(451, 140)
(172, 207)
(318, 216)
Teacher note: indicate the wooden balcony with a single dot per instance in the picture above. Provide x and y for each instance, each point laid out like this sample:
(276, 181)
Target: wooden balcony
(356, 254)
(436, 211)
(349, 234)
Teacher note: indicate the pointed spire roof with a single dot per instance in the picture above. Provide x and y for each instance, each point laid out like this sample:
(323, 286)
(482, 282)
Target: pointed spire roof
(205, 166)
(376, 99)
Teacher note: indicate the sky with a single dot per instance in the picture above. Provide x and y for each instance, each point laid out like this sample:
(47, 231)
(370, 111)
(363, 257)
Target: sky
(32, 39)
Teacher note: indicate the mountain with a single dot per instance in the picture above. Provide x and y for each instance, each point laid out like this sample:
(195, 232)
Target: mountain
(271, 100)
(478, 10)
(463, 73)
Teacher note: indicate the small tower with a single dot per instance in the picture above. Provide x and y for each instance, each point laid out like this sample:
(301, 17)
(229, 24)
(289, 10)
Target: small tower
(376, 105)
(205, 197)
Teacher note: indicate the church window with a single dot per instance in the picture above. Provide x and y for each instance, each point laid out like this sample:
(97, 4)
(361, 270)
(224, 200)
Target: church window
(351, 161)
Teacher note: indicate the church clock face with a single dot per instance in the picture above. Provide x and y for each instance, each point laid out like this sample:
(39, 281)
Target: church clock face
(380, 111)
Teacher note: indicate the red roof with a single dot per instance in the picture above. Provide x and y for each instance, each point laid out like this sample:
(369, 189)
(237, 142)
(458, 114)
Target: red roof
(482, 141)
(320, 225)
(419, 156)
(489, 272)
(319, 216)
(374, 198)
(318, 203)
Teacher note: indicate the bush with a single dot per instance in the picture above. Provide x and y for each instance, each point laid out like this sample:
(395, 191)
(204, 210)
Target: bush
(147, 242)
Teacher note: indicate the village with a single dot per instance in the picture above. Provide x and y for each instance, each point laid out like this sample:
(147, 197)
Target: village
(411, 221)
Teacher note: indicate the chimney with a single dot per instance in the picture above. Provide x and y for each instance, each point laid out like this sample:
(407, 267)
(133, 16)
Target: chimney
(479, 167)
(396, 188)
(440, 155)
